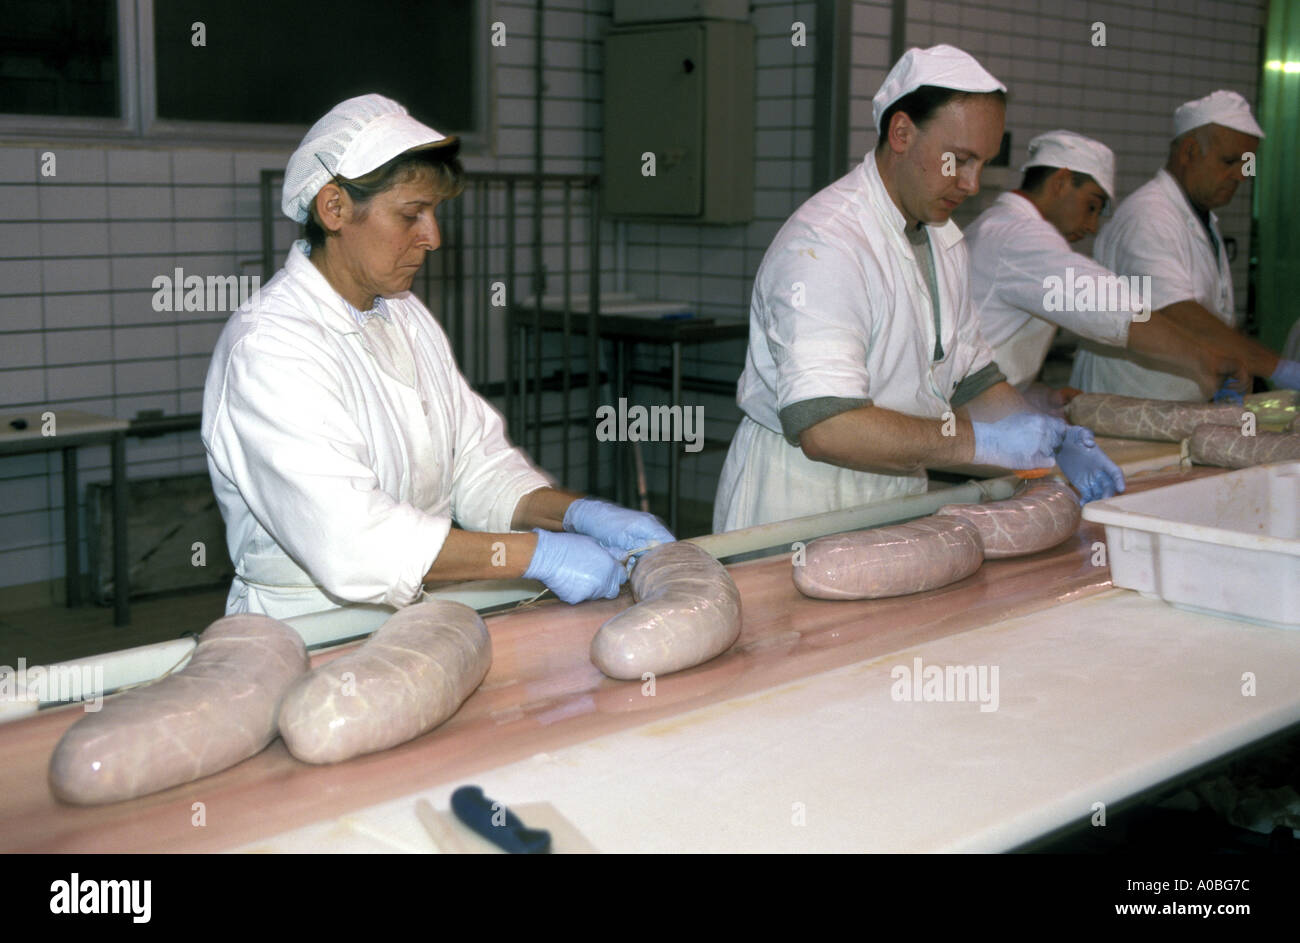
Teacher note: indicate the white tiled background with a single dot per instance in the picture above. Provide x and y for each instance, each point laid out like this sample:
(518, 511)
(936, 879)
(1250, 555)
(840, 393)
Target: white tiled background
(78, 251)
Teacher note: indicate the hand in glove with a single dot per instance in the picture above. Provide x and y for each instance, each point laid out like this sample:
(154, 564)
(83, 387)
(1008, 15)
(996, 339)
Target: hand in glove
(1022, 441)
(1089, 469)
(574, 567)
(618, 529)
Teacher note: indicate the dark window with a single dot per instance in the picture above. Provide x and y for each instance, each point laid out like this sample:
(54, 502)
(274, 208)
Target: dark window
(59, 57)
(275, 62)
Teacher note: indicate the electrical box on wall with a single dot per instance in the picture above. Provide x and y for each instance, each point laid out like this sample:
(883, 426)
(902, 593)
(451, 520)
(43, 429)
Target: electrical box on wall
(679, 122)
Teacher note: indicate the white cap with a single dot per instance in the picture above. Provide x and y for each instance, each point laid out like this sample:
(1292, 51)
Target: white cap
(1222, 107)
(1074, 152)
(944, 66)
(354, 138)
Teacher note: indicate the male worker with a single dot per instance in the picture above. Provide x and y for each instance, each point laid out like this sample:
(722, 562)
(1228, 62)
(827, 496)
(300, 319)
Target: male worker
(1026, 280)
(865, 361)
(1166, 229)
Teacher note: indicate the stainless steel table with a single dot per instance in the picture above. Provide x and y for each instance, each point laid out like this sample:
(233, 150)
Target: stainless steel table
(45, 430)
(626, 331)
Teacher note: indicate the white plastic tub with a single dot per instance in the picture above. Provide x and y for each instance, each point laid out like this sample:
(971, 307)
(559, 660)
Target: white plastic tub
(1229, 544)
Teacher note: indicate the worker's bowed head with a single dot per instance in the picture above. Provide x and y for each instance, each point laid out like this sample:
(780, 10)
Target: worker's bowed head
(1070, 178)
(365, 183)
(1212, 136)
(940, 116)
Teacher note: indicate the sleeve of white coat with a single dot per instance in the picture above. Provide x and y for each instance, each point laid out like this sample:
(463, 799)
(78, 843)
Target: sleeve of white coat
(1152, 245)
(1023, 281)
(818, 323)
(490, 475)
(286, 439)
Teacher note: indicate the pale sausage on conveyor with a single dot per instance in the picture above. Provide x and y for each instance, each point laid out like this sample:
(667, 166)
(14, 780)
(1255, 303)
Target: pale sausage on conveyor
(1228, 447)
(687, 611)
(1158, 420)
(890, 561)
(1045, 514)
(403, 681)
(219, 710)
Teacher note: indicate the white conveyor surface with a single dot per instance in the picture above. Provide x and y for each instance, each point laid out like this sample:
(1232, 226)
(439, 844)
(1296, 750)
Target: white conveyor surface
(1098, 699)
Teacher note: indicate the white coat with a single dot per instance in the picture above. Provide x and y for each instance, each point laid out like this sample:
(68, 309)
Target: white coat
(337, 476)
(1156, 232)
(840, 308)
(1013, 251)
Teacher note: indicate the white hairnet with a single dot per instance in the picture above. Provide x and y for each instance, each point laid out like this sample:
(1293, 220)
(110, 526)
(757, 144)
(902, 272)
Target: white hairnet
(354, 138)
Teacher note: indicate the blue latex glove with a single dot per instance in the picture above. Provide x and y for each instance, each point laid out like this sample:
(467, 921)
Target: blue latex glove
(618, 529)
(574, 567)
(1228, 393)
(1287, 375)
(1022, 441)
(1089, 469)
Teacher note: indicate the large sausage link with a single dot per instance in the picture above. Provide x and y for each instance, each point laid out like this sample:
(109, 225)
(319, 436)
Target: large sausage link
(1226, 446)
(687, 611)
(406, 679)
(890, 561)
(219, 710)
(1045, 514)
(1158, 420)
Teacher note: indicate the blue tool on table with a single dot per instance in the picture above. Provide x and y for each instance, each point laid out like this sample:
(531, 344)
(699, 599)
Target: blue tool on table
(497, 824)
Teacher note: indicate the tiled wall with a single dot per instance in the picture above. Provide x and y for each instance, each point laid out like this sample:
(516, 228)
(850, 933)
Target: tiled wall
(1157, 56)
(78, 251)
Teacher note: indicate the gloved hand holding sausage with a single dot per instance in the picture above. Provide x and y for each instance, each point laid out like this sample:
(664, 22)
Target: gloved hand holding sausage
(1025, 440)
(574, 567)
(619, 530)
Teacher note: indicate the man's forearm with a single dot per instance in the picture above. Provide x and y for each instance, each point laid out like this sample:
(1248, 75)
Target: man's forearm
(871, 438)
(997, 402)
(1194, 317)
(477, 556)
(543, 508)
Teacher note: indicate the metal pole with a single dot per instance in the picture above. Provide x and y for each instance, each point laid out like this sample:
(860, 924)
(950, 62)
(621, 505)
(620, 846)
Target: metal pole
(675, 451)
(566, 383)
(516, 422)
(458, 287)
(593, 332)
(71, 529)
(121, 550)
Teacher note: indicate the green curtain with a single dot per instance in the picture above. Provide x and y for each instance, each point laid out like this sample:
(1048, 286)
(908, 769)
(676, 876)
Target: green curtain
(1277, 185)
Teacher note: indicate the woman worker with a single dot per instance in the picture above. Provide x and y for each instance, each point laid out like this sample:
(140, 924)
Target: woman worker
(342, 440)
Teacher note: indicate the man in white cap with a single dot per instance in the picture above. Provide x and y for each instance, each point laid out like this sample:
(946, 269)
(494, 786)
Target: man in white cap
(1026, 281)
(865, 363)
(342, 440)
(1166, 229)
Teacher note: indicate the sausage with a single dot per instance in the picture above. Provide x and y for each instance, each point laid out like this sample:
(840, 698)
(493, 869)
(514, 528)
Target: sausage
(687, 611)
(219, 710)
(1045, 514)
(1226, 446)
(1155, 419)
(890, 561)
(404, 680)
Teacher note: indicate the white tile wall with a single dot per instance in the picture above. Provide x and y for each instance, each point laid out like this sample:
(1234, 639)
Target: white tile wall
(78, 251)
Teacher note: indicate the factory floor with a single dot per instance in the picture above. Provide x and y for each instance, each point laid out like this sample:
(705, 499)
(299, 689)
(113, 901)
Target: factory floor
(51, 634)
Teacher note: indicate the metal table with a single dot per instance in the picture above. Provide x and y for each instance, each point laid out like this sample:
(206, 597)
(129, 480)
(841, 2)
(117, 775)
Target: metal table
(626, 331)
(72, 429)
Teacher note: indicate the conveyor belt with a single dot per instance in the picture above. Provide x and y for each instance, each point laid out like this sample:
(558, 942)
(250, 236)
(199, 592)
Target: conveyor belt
(542, 694)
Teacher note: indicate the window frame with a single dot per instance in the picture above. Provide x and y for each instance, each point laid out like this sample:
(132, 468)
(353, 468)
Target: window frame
(138, 95)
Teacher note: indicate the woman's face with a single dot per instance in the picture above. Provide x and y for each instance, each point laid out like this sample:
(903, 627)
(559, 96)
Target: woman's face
(382, 243)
